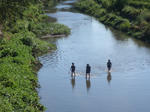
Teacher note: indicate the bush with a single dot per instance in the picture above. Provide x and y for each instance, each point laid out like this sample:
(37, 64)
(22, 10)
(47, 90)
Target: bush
(27, 41)
(140, 3)
(119, 4)
(19, 47)
(33, 12)
(106, 3)
(144, 16)
(17, 78)
(125, 26)
(130, 12)
(50, 28)
(147, 33)
(137, 35)
(8, 52)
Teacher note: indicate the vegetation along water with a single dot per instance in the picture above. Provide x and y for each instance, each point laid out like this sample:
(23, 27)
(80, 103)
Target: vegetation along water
(22, 23)
(130, 16)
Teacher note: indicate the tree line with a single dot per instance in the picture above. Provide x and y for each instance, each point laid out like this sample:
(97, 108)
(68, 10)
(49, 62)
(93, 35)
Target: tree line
(12, 9)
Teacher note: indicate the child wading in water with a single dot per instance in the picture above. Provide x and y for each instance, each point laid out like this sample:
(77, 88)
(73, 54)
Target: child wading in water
(109, 65)
(88, 70)
(72, 69)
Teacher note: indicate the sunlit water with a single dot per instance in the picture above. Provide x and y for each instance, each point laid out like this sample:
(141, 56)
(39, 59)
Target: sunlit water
(127, 89)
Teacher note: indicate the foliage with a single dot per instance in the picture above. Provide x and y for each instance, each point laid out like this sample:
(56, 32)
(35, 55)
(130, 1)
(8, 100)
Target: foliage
(144, 16)
(125, 26)
(130, 12)
(23, 21)
(130, 16)
(12, 9)
(50, 3)
(119, 4)
(113, 4)
(50, 28)
(140, 3)
(17, 79)
(147, 34)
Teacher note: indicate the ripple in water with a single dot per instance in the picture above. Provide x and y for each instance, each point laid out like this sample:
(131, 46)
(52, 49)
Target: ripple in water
(126, 89)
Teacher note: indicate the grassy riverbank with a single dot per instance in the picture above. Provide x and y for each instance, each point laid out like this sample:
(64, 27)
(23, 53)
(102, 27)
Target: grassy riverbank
(132, 17)
(20, 45)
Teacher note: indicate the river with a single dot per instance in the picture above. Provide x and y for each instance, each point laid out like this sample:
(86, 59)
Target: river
(126, 89)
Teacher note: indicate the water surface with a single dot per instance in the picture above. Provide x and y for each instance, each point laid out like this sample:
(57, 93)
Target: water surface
(126, 89)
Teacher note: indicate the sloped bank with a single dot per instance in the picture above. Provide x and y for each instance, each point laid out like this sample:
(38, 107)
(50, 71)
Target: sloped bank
(19, 48)
(121, 15)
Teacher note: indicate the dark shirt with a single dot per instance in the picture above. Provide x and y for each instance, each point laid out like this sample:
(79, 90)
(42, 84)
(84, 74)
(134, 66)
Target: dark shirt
(109, 64)
(73, 68)
(88, 69)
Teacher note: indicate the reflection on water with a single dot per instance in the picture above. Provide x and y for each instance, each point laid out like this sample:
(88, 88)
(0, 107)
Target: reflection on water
(109, 77)
(73, 82)
(91, 42)
(88, 84)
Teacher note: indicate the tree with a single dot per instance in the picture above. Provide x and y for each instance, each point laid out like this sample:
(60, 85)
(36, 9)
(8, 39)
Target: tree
(11, 9)
(119, 4)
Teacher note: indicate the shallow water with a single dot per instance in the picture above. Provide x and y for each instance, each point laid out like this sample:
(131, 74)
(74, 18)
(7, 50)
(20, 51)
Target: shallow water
(126, 89)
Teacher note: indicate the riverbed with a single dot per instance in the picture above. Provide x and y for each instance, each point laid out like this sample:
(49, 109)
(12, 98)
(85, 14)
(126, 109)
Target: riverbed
(126, 89)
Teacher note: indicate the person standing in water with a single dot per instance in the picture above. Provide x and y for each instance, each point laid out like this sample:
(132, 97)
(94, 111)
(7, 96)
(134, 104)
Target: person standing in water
(88, 70)
(109, 65)
(72, 69)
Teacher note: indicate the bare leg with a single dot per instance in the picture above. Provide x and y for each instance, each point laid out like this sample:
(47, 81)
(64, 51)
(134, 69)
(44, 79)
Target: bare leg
(71, 74)
(74, 74)
(109, 69)
(86, 75)
(89, 75)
